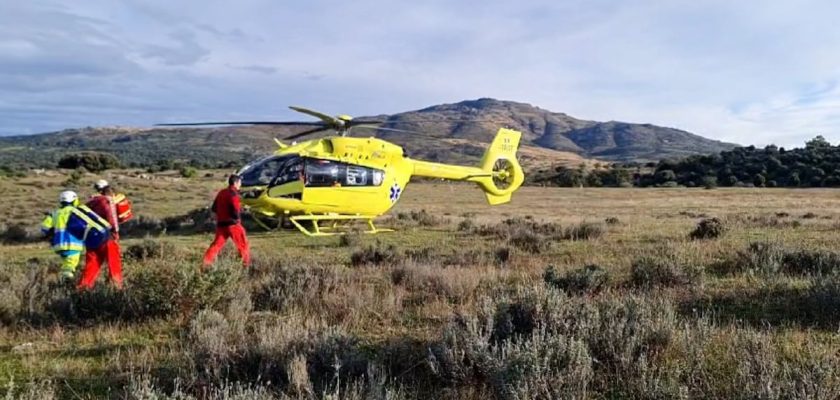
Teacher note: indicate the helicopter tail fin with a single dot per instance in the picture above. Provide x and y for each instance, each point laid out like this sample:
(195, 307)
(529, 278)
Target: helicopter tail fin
(505, 173)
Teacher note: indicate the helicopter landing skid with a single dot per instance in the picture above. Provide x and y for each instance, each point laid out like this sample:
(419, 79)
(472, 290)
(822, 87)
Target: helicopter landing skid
(338, 225)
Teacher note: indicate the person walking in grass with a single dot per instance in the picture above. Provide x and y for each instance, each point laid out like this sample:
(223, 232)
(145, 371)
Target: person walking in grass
(72, 228)
(104, 205)
(228, 209)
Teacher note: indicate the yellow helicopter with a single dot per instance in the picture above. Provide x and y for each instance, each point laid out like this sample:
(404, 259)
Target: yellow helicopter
(322, 185)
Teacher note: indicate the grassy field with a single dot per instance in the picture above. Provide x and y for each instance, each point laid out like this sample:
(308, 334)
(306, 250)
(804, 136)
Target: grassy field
(563, 293)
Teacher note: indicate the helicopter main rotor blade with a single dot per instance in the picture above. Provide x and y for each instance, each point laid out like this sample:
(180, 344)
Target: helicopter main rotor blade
(323, 117)
(460, 120)
(354, 122)
(308, 132)
(284, 123)
(389, 129)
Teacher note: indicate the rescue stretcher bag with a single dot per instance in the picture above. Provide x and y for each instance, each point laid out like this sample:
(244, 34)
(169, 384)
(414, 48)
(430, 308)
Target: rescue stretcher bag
(123, 208)
(88, 226)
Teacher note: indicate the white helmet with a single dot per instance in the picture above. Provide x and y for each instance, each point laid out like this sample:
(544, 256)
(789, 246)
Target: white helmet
(67, 196)
(100, 184)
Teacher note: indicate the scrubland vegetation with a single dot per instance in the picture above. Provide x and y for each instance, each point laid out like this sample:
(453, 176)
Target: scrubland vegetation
(565, 293)
(813, 165)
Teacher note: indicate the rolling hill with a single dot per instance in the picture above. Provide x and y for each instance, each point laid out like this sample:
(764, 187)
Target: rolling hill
(449, 133)
(615, 141)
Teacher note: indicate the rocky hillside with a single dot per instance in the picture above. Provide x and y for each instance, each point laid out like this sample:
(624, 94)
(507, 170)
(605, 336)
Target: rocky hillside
(479, 119)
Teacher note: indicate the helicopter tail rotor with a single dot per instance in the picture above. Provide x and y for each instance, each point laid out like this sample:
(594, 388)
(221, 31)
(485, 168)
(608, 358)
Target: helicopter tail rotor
(504, 174)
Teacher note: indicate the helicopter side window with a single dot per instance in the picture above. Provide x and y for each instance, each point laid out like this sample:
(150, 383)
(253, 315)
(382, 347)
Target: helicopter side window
(324, 173)
(261, 172)
(358, 175)
(321, 173)
(290, 171)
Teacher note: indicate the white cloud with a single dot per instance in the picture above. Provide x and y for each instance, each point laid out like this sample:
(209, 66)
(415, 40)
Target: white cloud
(727, 70)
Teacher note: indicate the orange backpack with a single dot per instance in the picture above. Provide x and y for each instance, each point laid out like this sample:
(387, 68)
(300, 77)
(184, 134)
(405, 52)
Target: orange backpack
(123, 208)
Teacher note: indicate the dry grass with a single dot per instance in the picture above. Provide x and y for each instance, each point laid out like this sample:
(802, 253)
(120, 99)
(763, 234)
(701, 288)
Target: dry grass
(457, 304)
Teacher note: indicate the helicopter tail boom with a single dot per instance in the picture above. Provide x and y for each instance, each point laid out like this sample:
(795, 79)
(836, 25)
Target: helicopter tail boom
(499, 173)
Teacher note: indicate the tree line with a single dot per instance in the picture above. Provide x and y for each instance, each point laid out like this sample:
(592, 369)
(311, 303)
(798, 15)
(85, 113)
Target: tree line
(815, 165)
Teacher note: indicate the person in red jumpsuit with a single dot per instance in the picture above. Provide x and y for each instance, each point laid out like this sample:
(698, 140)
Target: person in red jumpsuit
(228, 208)
(103, 205)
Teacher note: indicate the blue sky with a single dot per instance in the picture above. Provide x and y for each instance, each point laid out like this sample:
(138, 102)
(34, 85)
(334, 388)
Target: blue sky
(747, 72)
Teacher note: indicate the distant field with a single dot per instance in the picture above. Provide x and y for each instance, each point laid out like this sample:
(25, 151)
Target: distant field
(456, 304)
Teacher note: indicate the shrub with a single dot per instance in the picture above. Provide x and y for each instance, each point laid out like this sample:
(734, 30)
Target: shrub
(770, 259)
(809, 262)
(663, 270)
(195, 221)
(542, 344)
(708, 228)
(141, 226)
(376, 255)
(16, 233)
(34, 390)
(91, 161)
(542, 366)
(10, 305)
(466, 225)
(589, 279)
(512, 226)
(420, 218)
(149, 249)
(710, 182)
(502, 255)
(529, 241)
(212, 339)
(75, 178)
(295, 285)
(142, 388)
(761, 257)
(350, 239)
(583, 231)
(187, 172)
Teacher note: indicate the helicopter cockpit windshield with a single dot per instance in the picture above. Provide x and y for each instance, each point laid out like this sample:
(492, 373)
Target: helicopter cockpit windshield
(262, 171)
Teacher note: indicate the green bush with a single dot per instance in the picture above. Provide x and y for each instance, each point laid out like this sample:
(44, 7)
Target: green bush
(187, 172)
(91, 161)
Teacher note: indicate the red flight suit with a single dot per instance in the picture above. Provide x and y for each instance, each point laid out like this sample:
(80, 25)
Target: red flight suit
(228, 210)
(109, 252)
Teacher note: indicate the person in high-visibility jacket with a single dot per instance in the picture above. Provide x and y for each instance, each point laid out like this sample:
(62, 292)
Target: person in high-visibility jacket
(105, 206)
(72, 228)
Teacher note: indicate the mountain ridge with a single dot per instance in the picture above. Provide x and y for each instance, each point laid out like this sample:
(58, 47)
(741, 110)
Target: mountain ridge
(451, 132)
(611, 140)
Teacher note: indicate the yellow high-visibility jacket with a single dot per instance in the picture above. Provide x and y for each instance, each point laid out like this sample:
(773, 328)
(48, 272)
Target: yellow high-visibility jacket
(74, 228)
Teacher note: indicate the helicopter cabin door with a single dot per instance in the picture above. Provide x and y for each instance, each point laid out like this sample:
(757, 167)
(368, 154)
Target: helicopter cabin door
(288, 180)
(342, 187)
